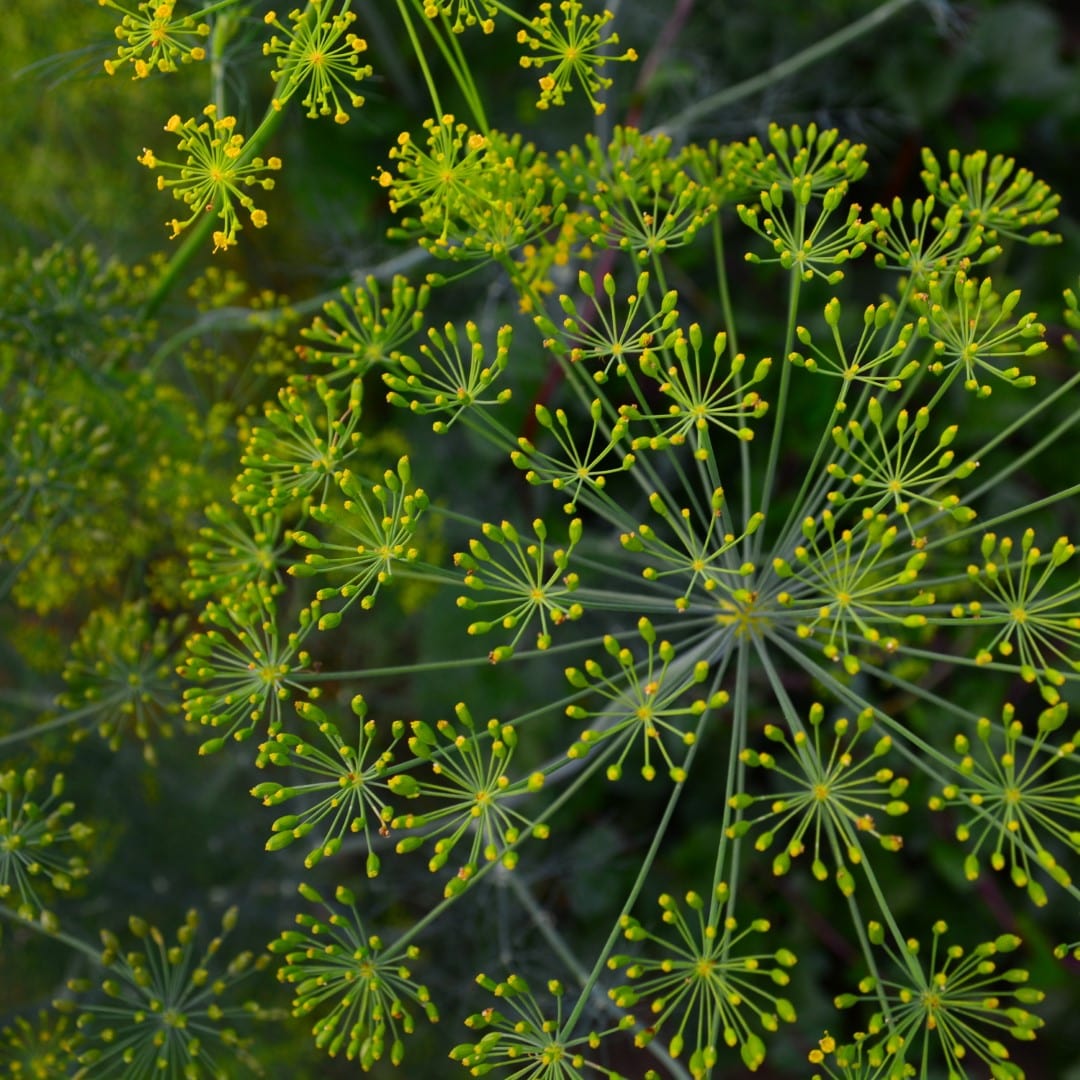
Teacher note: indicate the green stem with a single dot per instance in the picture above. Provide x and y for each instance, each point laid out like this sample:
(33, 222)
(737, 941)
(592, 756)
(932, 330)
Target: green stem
(239, 319)
(864, 864)
(902, 735)
(1049, 500)
(780, 409)
(631, 899)
(436, 912)
(57, 935)
(403, 10)
(193, 241)
(786, 68)
(736, 772)
(541, 919)
(223, 29)
(222, 5)
(868, 956)
(459, 67)
(1048, 440)
(983, 525)
(816, 482)
(901, 942)
(62, 721)
(26, 699)
(724, 291)
(508, 11)
(484, 661)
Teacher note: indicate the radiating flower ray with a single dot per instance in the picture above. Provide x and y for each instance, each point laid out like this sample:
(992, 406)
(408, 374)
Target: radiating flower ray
(706, 977)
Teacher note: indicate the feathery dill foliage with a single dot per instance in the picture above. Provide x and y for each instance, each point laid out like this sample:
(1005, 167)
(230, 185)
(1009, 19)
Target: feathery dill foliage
(744, 519)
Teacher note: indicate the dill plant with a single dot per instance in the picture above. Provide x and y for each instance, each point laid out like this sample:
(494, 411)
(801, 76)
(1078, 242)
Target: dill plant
(744, 533)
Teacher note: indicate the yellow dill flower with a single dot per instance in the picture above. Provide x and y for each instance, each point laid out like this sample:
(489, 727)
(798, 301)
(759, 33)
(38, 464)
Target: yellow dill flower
(577, 49)
(154, 39)
(213, 175)
(320, 55)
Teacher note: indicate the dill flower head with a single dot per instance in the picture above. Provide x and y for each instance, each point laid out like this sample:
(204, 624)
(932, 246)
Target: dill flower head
(154, 38)
(215, 175)
(570, 47)
(318, 56)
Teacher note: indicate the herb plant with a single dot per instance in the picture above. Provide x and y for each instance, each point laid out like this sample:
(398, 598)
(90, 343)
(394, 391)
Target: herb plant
(677, 485)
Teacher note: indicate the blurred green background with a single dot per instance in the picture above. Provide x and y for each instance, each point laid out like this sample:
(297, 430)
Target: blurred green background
(1003, 76)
